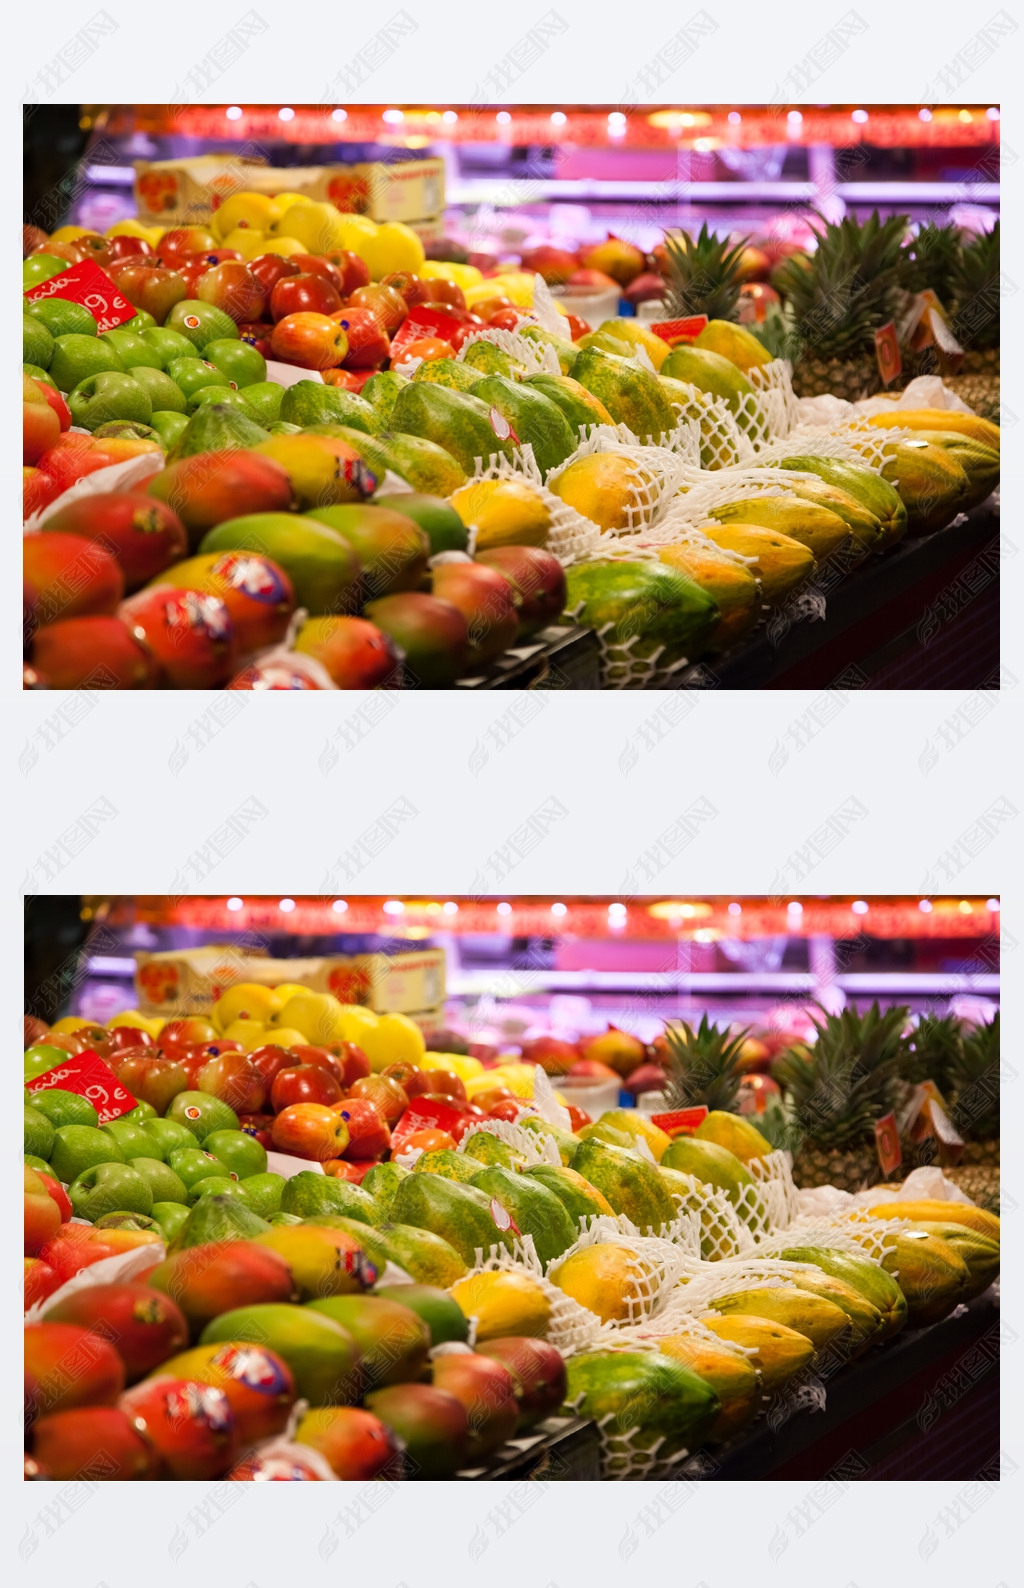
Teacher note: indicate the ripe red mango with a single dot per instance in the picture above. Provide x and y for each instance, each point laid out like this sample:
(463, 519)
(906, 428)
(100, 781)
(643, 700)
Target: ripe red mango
(258, 1383)
(356, 1444)
(93, 653)
(144, 1326)
(72, 577)
(67, 1366)
(208, 1280)
(211, 487)
(98, 1444)
(145, 536)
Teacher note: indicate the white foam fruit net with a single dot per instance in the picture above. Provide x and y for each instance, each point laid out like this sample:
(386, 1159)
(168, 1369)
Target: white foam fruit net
(570, 536)
(773, 383)
(571, 1327)
(658, 471)
(538, 358)
(530, 1144)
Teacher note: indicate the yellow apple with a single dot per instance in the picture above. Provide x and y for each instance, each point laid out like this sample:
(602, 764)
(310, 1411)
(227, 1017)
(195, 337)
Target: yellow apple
(285, 246)
(68, 1024)
(252, 211)
(250, 1033)
(393, 247)
(317, 226)
(395, 1039)
(247, 239)
(154, 1024)
(355, 1021)
(316, 1015)
(247, 1000)
(283, 1037)
(460, 1064)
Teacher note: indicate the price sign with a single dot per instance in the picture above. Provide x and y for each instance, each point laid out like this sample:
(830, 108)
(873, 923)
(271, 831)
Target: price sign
(887, 1142)
(887, 352)
(88, 1076)
(680, 1121)
(686, 330)
(86, 283)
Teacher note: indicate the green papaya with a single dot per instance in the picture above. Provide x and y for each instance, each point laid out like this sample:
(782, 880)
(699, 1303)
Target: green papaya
(310, 402)
(711, 373)
(423, 464)
(717, 449)
(381, 1182)
(859, 520)
(566, 350)
(665, 613)
(667, 1406)
(456, 420)
(869, 488)
(485, 1147)
(460, 1214)
(218, 1218)
(533, 1209)
(447, 372)
(631, 395)
(309, 1194)
(580, 407)
(216, 427)
(533, 417)
(714, 1166)
(424, 1256)
(381, 392)
(445, 1161)
(564, 1140)
(631, 1185)
(580, 1199)
(869, 1278)
(487, 358)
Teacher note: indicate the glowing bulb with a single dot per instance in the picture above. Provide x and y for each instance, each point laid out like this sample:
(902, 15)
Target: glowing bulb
(504, 909)
(860, 116)
(394, 907)
(339, 115)
(617, 912)
(795, 907)
(450, 116)
(925, 906)
(859, 907)
(558, 118)
(234, 113)
(735, 909)
(924, 115)
(965, 908)
(503, 118)
(393, 116)
(794, 118)
(451, 908)
(734, 118)
(993, 905)
(286, 906)
(616, 118)
(235, 904)
(992, 112)
(965, 116)
(559, 909)
(339, 906)
(286, 113)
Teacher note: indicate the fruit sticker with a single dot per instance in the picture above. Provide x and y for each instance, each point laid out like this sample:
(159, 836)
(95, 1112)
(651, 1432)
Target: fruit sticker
(502, 429)
(503, 1218)
(192, 321)
(192, 1112)
(254, 576)
(254, 1368)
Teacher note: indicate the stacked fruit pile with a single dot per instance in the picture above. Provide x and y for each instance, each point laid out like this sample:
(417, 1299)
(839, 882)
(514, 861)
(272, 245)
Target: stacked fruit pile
(531, 1240)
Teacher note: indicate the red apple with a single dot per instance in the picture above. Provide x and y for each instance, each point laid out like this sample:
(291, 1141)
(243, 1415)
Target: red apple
(368, 344)
(445, 293)
(412, 288)
(554, 1056)
(269, 1060)
(389, 307)
(313, 341)
(591, 1070)
(385, 1094)
(152, 1080)
(508, 1109)
(303, 1083)
(303, 1053)
(303, 294)
(235, 1080)
(553, 264)
(186, 240)
(505, 319)
(590, 281)
(272, 268)
(259, 1127)
(445, 1083)
(149, 287)
(578, 1117)
(577, 327)
(129, 1037)
(257, 333)
(321, 265)
(356, 1064)
(368, 1133)
(355, 272)
(234, 288)
(191, 1029)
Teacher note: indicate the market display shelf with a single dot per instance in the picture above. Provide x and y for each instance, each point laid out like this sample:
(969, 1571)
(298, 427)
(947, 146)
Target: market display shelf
(560, 1449)
(510, 983)
(559, 657)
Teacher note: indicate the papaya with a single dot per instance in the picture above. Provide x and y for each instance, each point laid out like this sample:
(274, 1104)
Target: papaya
(443, 1316)
(381, 392)
(733, 342)
(579, 1198)
(564, 1140)
(980, 463)
(931, 1274)
(717, 448)
(612, 491)
(485, 1147)
(216, 427)
(776, 1351)
(580, 407)
(487, 358)
(729, 583)
(931, 482)
(456, 420)
(429, 1258)
(663, 612)
(310, 402)
(504, 1303)
(870, 489)
(717, 1236)
(372, 452)
(732, 1375)
(631, 1185)
(439, 521)
(864, 1318)
(309, 1194)
(980, 1254)
(421, 462)
(780, 562)
(862, 524)
(601, 1130)
(533, 417)
(381, 1182)
(533, 1209)
(611, 1281)
(631, 395)
(636, 1127)
(445, 1161)
(971, 425)
(623, 337)
(870, 1279)
(711, 373)
(817, 528)
(566, 351)
(667, 1405)
(217, 1218)
(446, 372)
(737, 1135)
(460, 1214)
(715, 1166)
(504, 513)
(820, 1320)
(973, 1218)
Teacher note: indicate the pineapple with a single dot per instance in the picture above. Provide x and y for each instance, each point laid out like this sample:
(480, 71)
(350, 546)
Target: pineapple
(976, 324)
(704, 1066)
(849, 289)
(934, 1051)
(974, 1083)
(705, 275)
(836, 1094)
(933, 258)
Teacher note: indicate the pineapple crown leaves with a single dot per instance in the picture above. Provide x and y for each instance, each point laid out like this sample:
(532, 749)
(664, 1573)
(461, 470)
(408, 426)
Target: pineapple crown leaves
(706, 1065)
(847, 1082)
(932, 261)
(976, 290)
(704, 274)
(934, 1050)
(975, 1081)
(851, 285)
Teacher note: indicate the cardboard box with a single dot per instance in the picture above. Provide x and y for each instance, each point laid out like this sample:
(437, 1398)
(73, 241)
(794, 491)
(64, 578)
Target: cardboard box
(188, 192)
(403, 983)
(183, 982)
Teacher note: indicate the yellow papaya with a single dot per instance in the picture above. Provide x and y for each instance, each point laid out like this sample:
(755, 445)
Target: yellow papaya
(979, 1252)
(611, 1281)
(932, 1276)
(624, 337)
(734, 1133)
(973, 1218)
(503, 1303)
(731, 1374)
(777, 1352)
(971, 425)
(730, 584)
(505, 513)
(779, 561)
(817, 528)
(612, 491)
(731, 341)
(820, 1320)
(865, 1320)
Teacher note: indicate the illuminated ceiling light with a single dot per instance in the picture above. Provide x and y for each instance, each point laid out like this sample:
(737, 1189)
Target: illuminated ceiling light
(616, 118)
(925, 906)
(234, 113)
(235, 904)
(503, 118)
(433, 908)
(992, 112)
(704, 934)
(734, 118)
(617, 912)
(286, 906)
(704, 145)
(993, 905)
(794, 118)
(393, 116)
(859, 907)
(393, 907)
(286, 113)
(966, 116)
(450, 116)
(735, 909)
(558, 118)
(504, 909)
(964, 907)
(860, 116)
(675, 909)
(433, 115)
(339, 115)
(794, 907)
(924, 114)
(451, 908)
(687, 119)
(559, 909)
(339, 906)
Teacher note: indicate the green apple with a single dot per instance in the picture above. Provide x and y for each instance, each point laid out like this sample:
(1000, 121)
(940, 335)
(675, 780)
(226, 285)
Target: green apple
(201, 322)
(168, 427)
(239, 361)
(99, 399)
(125, 430)
(200, 1113)
(191, 1165)
(76, 358)
(62, 317)
(240, 1153)
(218, 1185)
(140, 1113)
(39, 1135)
(192, 374)
(35, 372)
(164, 1184)
(219, 394)
(264, 398)
(109, 1188)
(166, 344)
(80, 1147)
(41, 1057)
(141, 320)
(170, 1216)
(38, 268)
(128, 1221)
(32, 1162)
(163, 393)
(264, 1192)
(166, 1136)
(130, 1137)
(65, 1108)
(37, 345)
(131, 348)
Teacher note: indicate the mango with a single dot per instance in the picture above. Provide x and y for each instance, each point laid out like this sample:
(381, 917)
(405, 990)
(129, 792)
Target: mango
(733, 342)
(323, 1261)
(205, 1281)
(322, 1357)
(322, 566)
(431, 633)
(98, 652)
(392, 550)
(257, 1382)
(442, 1315)
(432, 1425)
(438, 519)
(321, 470)
(210, 487)
(393, 1340)
(71, 577)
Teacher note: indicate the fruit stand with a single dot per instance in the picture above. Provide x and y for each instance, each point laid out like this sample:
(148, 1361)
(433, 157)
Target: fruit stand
(283, 428)
(431, 1225)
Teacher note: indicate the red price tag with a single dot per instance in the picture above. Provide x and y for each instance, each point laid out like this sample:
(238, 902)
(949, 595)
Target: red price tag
(430, 1115)
(887, 352)
(680, 1121)
(88, 1076)
(86, 283)
(686, 330)
(887, 1142)
(423, 322)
